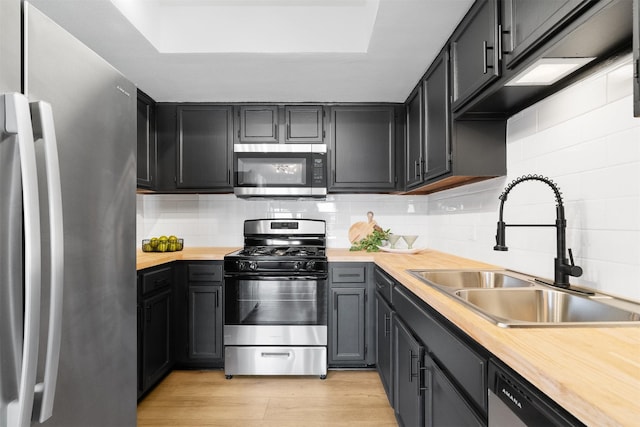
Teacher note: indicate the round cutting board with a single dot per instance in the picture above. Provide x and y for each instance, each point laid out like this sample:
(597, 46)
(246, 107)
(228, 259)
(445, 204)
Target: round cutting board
(361, 229)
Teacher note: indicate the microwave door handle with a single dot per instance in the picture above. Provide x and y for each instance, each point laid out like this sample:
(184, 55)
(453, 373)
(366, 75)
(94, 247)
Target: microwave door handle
(17, 120)
(49, 173)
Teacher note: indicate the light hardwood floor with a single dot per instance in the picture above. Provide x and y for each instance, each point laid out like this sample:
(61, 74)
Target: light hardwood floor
(206, 398)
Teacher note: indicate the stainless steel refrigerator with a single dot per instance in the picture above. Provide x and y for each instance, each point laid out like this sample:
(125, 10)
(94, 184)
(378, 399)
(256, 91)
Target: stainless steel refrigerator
(78, 265)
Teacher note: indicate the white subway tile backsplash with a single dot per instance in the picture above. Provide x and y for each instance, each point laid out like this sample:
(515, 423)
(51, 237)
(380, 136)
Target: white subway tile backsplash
(572, 102)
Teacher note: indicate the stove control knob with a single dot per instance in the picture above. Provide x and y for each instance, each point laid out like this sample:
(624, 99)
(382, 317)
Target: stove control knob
(253, 265)
(242, 265)
(311, 265)
(297, 265)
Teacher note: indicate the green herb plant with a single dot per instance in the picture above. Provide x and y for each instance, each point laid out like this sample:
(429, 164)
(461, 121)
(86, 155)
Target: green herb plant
(372, 241)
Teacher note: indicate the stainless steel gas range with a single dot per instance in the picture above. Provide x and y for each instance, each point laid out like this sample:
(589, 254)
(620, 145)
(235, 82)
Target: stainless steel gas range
(275, 293)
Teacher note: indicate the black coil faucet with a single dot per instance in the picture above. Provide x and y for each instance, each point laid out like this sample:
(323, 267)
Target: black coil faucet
(563, 268)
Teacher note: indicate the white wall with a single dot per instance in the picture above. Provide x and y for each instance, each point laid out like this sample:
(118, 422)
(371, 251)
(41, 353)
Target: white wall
(584, 138)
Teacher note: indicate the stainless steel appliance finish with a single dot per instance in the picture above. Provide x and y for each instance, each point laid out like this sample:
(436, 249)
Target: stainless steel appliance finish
(275, 335)
(93, 108)
(275, 360)
(275, 293)
(515, 403)
(280, 170)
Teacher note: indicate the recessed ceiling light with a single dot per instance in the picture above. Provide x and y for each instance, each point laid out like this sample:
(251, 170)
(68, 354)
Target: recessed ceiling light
(547, 71)
(253, 26)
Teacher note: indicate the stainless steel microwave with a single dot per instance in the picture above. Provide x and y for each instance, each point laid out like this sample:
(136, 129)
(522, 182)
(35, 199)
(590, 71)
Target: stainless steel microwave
(280, 170)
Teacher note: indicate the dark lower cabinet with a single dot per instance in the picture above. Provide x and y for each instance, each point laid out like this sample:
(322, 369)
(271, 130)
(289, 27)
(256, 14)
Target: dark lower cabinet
(155, 338)
(351, 316)
(156, 346)
(384, 344)
(348, 320)
(200, 319)
(205, 322)
(407, 373)
(444, 404)
(434, 375)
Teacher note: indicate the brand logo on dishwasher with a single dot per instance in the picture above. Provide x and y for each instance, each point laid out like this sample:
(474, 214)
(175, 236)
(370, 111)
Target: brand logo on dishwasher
(511, 398)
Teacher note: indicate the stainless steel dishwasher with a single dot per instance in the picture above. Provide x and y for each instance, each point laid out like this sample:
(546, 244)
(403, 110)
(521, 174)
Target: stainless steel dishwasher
(513, 402)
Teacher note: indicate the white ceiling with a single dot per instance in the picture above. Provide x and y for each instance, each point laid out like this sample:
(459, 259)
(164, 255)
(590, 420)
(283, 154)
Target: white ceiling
(405, 37)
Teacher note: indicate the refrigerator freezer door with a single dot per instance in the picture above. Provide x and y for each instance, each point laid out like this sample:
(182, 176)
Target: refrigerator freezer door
(95, 110)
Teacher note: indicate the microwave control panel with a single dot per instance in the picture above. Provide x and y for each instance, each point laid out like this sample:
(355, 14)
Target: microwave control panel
(319, 170)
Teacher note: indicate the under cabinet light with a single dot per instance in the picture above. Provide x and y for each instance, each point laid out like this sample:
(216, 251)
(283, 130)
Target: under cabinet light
(547, 71)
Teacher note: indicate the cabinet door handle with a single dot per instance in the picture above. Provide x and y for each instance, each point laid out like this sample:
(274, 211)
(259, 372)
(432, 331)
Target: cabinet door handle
(416, 169)
(427, 378)
(485, 65)
(288, 130)
(275, 130)
(500, 33)
(387, 321)
(411, 374)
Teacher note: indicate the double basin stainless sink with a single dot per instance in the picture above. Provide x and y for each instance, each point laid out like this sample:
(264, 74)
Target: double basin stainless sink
(511, 299)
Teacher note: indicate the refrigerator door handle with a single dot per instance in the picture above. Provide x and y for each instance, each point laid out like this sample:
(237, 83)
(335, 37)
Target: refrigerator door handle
(17, 120)
(49, 169)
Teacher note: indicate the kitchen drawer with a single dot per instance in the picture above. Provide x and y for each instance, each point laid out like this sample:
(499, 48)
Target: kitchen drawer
(205, 272)
(355, 274)
(275, 360)
(462, 363)
(156, 279)
(384, 284)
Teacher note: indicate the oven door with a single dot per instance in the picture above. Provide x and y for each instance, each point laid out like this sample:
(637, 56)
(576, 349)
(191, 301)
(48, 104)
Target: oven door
(275, 310)
(280, 170)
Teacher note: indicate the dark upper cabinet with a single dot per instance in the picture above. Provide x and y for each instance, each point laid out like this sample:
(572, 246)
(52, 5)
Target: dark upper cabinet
(636, 58)
(362, 149)
(414, 151)
(304, 124)
(257, 123)
(455, 152)
(204, 147)
(146, 162)
(475, 52)
(528, 23)
(437, 118)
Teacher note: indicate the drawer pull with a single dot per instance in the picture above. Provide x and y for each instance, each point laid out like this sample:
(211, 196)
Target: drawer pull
(273, 354)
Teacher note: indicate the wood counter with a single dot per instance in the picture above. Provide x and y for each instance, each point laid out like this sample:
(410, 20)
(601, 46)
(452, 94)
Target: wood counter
(594, 373)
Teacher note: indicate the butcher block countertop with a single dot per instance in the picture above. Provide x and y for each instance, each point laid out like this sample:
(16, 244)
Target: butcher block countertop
(594, 373)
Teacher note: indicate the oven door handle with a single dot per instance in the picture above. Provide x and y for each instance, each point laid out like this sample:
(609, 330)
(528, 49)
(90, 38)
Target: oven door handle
(262, 276)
